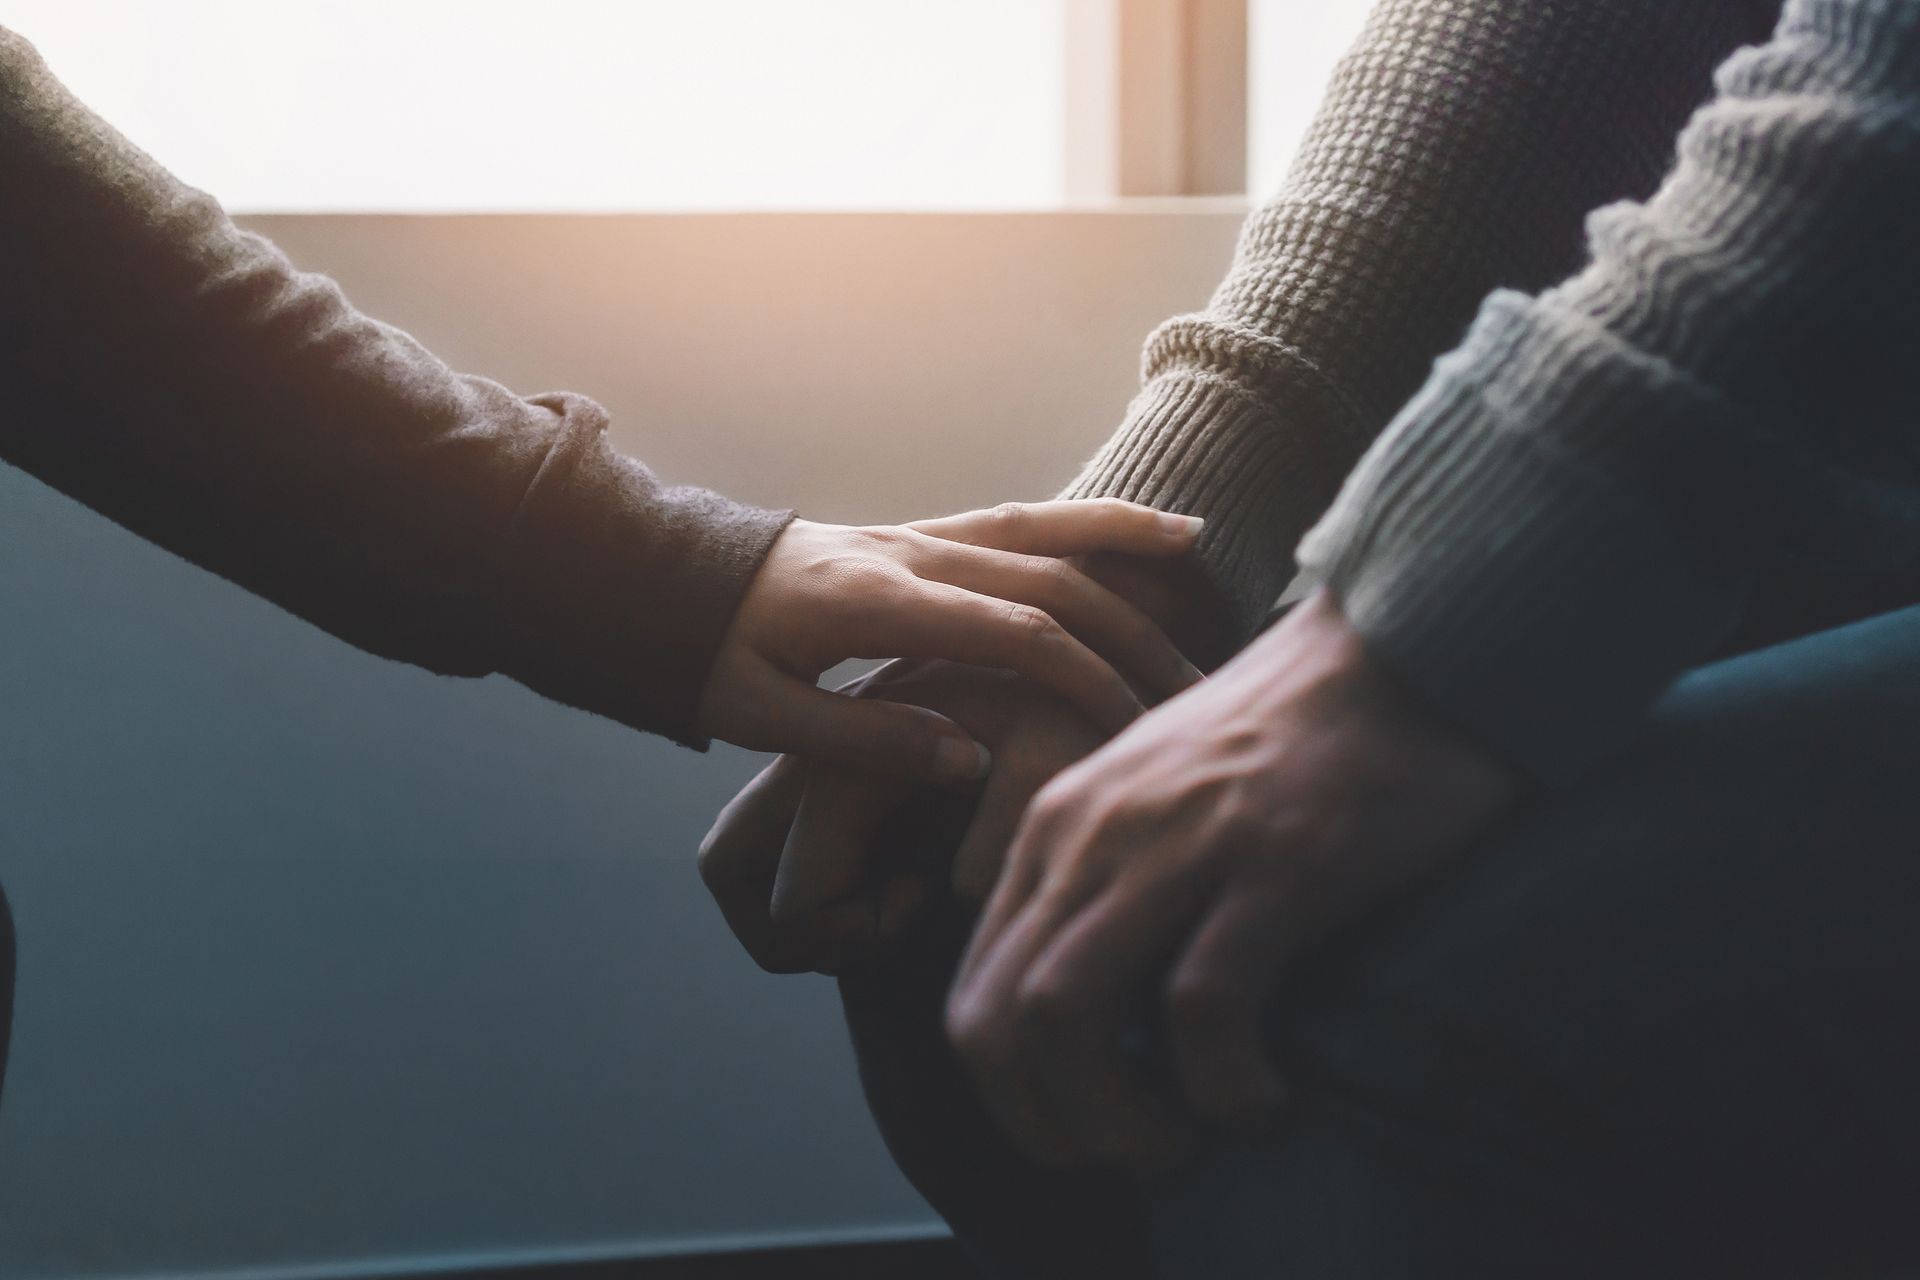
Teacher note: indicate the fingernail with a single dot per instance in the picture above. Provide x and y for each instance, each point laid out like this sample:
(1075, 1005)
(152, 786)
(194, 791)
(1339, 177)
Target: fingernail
(1181, 526)
(962, 759)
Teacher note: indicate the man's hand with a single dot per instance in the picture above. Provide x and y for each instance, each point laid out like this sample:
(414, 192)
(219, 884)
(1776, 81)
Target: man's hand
(815, 867)
(827, 892)
(1164, 883)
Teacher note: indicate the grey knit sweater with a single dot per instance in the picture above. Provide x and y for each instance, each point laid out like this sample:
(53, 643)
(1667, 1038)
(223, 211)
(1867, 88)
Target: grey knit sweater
(180, 376)
(1574, 504)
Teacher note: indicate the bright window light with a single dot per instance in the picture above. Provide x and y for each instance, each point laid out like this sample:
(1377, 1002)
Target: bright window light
(1292, 48)
(419, 105)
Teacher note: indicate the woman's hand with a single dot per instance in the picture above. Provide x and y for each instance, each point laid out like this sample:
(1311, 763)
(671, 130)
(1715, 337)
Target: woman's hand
(987, 588)
(1175, 872)
(832, 892)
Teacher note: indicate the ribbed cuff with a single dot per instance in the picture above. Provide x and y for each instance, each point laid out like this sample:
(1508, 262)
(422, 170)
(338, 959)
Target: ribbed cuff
(617, 592)
(1257, 466)
(1502, 551)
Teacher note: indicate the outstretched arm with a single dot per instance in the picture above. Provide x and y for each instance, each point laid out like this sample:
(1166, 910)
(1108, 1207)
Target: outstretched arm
(180, 376)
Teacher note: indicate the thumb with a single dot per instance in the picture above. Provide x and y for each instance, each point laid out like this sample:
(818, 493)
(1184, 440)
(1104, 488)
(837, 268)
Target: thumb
(830, 846)
(1003, 802)
(896, 739)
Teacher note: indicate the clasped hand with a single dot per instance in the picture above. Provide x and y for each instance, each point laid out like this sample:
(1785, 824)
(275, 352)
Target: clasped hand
(991, 588)
(1159, 886)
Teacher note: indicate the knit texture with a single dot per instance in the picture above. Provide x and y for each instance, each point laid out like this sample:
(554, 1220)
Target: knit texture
(1575, 507)
(1458, 148)
(181, 377)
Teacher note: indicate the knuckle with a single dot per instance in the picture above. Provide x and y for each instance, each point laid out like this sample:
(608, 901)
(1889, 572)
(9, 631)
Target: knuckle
(780, 960)
(881, 548)
(1042, 1003)
(769, 948)
(1034, 626)
(1057, 580)
(1030, 767)
(708, 862)
(1055, 799)
(974, 1033)
(1009, 515)
(725, 868)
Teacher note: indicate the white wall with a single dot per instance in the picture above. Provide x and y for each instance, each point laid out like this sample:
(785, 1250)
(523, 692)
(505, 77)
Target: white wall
(328, 963)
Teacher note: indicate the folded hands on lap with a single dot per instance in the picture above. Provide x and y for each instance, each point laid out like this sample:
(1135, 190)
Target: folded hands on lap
(1152, 884)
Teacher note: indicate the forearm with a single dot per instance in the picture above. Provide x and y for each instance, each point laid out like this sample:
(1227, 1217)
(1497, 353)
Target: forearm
(1458, 148)
(183, 378)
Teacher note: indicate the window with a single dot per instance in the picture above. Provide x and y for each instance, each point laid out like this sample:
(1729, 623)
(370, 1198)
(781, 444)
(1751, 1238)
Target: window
(422, 105)
(1292, 46)
(500, 105)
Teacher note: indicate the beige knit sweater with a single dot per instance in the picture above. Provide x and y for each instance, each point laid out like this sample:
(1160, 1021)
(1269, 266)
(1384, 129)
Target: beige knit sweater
(1572, 506)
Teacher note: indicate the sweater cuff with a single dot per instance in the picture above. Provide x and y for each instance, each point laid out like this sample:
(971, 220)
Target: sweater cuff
(617, 592)
(1500, 554)
(1201, 444)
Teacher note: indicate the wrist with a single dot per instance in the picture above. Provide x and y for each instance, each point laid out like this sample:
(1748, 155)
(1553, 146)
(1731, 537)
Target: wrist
(1316, 626)
(1316, 655)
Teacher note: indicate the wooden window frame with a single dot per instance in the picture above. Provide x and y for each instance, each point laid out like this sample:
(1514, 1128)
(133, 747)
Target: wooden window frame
(1156, 98)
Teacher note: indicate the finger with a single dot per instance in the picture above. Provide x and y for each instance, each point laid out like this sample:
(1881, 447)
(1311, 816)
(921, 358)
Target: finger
(982, 1030)
(954, 623)
(1216, 1004)
(754, 822)
(740, 856)
(983, 850)
(1105, 622)
(1077, 1001)
(1019, 882)
(984, 1010)
(892, 739)
(830, 844)
(1067, 528)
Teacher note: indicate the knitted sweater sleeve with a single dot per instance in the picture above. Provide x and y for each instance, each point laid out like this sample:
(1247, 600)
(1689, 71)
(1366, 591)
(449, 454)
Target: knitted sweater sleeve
(181, 377)
(1573, 508)
(1457, 149)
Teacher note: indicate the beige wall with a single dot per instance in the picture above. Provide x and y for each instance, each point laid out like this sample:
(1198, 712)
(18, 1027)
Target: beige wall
(857, 366)
(330, 966)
